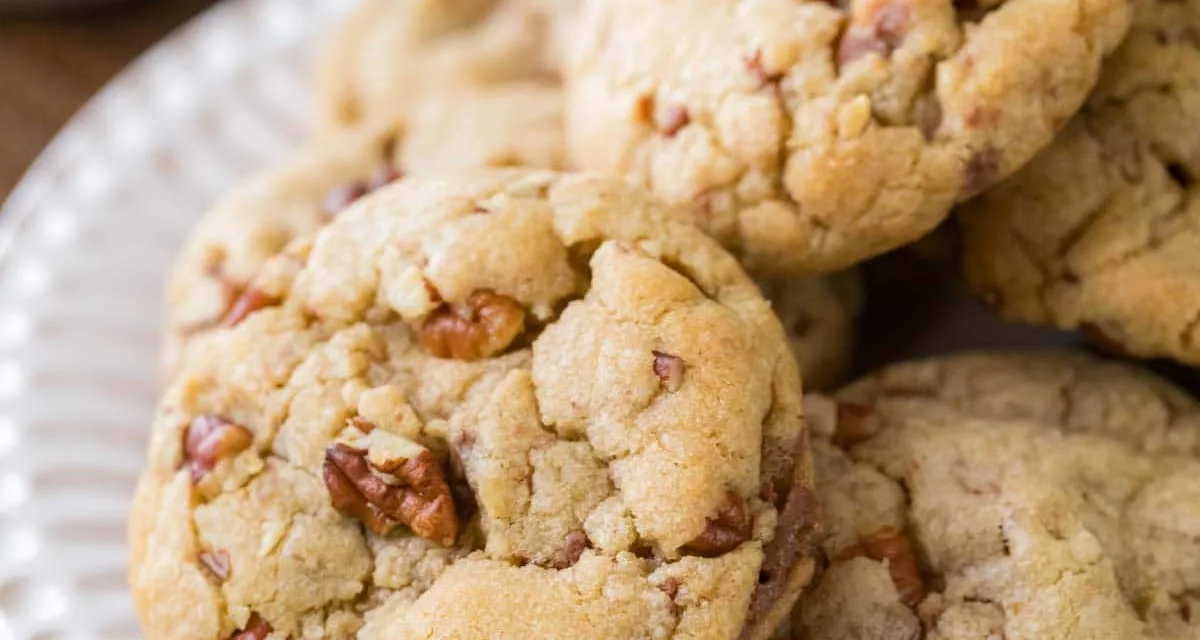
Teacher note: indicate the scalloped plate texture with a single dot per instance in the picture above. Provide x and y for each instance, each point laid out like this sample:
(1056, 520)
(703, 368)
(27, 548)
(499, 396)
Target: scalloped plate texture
(85, 243)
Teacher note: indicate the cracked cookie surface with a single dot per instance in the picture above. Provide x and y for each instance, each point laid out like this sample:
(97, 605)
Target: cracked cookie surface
(514, 124)
(605, 426)
(1101, 230)
(1013, 496)
(389, 53)
(811, 135)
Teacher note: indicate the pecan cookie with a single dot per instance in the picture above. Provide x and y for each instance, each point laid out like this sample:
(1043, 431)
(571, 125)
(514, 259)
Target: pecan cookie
(506, 125)
(1102, 230)
(473, 396)
(811, 135)
(1006, 496)
(820, 316)
(390, 52)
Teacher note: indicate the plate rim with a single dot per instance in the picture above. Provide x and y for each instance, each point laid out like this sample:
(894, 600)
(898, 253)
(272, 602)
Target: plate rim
(20, 206)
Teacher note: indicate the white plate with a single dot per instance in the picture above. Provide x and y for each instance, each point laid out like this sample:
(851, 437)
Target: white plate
(85, 242)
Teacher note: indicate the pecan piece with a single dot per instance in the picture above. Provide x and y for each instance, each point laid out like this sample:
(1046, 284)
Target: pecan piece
(419, 498)
(643, 109)
(669, 370)
(794, 530)
(675, 119)
(344, 195)
(216, 562)
(230, 291)
(670, 587)
(384, 175)
(486, 326)
(347, 194)
(208, 440)
(890, 544)
(256, 629)
(726, 530)
(851, 425)
(573, 545)
(754, 62)
(251, 300)
(927, 115)
(883, 33)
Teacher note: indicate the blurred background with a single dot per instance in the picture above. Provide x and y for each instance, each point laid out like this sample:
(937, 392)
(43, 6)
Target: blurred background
(55, 54)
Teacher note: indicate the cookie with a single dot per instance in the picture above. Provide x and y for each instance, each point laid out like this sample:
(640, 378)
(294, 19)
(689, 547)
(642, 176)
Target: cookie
(1006, 496)
(820, 315)
(390, 53)
(417, 431)
(1102, 230)
(811, 135)
(505, 125)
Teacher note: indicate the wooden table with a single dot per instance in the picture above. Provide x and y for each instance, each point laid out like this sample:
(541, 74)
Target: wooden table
(51, 65)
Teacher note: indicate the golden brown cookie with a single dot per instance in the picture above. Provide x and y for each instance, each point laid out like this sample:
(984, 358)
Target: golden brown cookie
(391, 53)
(1006, 496)
(1102, 230)
(812, 135)
(506, 125)
(513, 405)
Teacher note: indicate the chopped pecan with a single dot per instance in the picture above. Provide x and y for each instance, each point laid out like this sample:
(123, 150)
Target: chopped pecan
(251, 300)
(883, 32)
(256, 629)
(216, 562)
(726, 530)
(670, 587)
(676, 118)
(344, 195)
(384, 175)
(890, 544)
(927, 115)
(230, 291)
(851, 425)
(486, 326)
(208, 440)
(794, 530)
(669, 370)
(643, 109)
(754, 62)
(573, 545)
(419, 498)
(347, 194)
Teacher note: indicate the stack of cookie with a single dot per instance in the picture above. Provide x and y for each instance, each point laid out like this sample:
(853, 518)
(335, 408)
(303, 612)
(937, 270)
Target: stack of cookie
(515, 347)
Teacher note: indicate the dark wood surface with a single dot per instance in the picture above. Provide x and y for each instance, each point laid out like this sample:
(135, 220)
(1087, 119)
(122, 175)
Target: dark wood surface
(51, 64)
